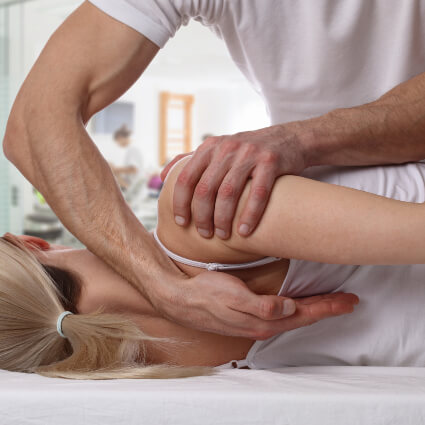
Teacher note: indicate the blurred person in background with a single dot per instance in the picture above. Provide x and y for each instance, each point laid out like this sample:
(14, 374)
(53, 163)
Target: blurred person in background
(127, 173)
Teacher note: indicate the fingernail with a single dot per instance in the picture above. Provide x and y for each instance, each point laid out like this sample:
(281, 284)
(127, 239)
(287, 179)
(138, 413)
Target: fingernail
(204, 232)
(220, 233)
(244, 229)
(288, 307)
(179, 220)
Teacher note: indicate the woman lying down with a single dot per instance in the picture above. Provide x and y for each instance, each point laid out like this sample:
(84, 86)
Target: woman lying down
(319, 221)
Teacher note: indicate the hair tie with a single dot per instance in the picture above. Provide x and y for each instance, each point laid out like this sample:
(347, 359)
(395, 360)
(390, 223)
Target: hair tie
(59, 322)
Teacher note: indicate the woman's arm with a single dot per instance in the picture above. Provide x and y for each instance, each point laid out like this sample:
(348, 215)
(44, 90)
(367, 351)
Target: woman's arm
(310, 220)
(316, 221)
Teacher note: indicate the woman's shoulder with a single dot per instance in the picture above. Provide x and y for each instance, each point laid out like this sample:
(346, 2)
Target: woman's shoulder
(185, 241)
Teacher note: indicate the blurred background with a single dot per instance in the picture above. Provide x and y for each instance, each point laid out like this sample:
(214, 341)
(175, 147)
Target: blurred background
(191, 90)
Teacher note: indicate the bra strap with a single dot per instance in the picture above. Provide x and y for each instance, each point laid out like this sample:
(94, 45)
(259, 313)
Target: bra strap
(214, 266)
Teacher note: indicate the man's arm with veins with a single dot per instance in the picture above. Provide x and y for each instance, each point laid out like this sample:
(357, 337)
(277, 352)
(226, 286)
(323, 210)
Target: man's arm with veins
(89, 62)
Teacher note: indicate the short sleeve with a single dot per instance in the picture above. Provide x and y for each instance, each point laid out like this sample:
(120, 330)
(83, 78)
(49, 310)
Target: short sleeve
(158, 20)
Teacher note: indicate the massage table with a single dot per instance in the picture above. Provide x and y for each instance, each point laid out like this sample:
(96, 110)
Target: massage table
(340, 395)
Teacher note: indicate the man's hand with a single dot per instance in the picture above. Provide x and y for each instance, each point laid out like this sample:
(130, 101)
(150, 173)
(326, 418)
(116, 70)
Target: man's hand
(221, 303)
(213, 180)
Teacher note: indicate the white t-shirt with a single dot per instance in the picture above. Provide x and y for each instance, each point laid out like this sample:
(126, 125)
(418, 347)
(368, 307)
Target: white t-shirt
(133, 157)
(387, 328)
(304, 57)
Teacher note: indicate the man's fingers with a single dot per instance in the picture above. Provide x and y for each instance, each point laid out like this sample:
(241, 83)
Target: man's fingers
(274, 307)
(166, 170)
(267, 322)
(185, 186)
(226, 302)
(204, 198)
(336, 297)
(320, 307)
(313, 309)
(259, 192)
(266, 307)
(227, 199)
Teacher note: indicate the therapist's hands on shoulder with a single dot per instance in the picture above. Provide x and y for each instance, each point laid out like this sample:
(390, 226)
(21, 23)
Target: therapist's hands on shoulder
(223, 303)
(213, 180)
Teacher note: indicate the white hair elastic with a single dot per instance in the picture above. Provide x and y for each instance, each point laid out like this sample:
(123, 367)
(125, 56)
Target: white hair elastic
(59, 322)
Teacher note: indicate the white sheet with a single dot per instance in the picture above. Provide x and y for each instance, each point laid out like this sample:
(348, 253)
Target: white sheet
(291, 396)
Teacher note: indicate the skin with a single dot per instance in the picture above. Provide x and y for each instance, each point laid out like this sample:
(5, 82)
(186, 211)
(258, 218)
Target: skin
(47, 141)
(346, 235)
(309, 220)
(315, 224)
(101, 286)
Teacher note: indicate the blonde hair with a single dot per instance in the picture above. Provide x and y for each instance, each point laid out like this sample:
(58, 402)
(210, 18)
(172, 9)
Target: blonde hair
(98, 345)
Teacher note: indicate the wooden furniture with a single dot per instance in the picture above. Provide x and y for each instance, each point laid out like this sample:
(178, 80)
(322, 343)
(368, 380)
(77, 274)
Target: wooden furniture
(175, 125)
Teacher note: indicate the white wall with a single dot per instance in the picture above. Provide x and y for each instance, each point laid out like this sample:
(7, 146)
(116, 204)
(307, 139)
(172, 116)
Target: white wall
(218, 109)
(194, 62)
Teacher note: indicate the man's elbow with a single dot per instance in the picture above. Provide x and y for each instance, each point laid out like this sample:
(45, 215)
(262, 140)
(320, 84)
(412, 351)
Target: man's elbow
(13, 138)
(7, 146)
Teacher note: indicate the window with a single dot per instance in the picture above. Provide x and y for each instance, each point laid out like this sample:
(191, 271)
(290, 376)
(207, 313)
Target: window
(175, 125)
(4, 110)
(114, 117)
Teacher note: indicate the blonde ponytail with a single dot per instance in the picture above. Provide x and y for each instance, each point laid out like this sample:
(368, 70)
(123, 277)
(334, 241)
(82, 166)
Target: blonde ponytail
(97, 345)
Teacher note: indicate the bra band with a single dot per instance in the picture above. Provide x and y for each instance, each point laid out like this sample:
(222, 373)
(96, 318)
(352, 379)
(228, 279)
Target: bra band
(214, 266)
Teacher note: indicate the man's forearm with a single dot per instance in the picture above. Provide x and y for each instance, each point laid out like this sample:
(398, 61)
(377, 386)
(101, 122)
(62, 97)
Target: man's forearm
(58, 157)
(388, 130)
(47, 141)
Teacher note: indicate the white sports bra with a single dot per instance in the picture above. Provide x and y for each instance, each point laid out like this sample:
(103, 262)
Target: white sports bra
(214, 266)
